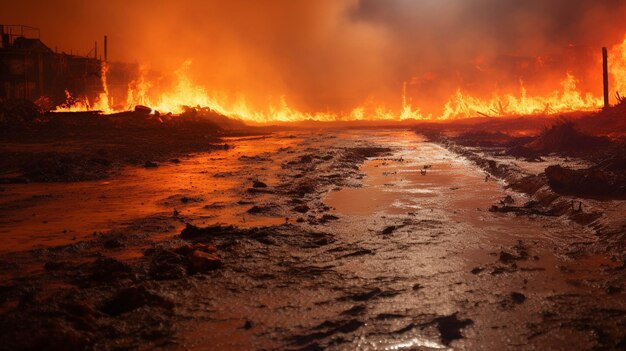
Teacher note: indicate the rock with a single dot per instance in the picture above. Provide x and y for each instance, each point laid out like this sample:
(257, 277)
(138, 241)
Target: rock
(132, 298)
(450, 327)
(209, 248)
(113, 243)
(506, 257)
(304, 188)
(355, 310)
(260, 191)
(518, 298)
(143, 110)
(508, 200)
(327, 217)
(186, 199)
(306, 159)
(365, 296)
(301, 209)
(389, 230)
(477, 270)
(201, 262)
(258, 184)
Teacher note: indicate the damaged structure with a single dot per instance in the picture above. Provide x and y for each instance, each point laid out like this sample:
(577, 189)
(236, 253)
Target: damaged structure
(29, 69)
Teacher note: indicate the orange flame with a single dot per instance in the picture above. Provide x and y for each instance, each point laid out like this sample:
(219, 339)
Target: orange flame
(102, 103)
(617, 67)
(566, 98)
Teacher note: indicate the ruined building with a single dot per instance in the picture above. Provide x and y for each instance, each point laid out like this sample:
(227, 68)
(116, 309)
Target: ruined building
(29, 69)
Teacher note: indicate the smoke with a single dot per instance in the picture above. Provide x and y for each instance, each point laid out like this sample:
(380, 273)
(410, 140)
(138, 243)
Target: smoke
(336, 54)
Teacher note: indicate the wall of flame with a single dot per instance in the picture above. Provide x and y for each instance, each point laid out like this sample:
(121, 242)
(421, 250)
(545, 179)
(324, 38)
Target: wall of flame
(566, 97)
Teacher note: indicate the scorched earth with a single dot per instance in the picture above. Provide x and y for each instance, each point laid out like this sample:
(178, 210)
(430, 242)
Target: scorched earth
(362, 239)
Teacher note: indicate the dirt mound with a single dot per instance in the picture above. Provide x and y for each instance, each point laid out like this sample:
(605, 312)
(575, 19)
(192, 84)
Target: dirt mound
(607, 180)
(18, 112)
(483, 138)
(564, 137)
(610, 122)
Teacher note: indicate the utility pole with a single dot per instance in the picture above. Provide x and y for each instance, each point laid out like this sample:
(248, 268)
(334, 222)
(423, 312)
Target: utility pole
(605, 76)
(95, 50)
(105, 48)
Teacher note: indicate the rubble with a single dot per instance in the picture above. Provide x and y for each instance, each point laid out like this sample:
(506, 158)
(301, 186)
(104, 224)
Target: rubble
(144, 110)
(18, 113)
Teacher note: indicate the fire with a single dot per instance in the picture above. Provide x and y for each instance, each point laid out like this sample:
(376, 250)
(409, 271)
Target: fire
(72, 104)
(101, 104)
(617, 67)
(566, 97)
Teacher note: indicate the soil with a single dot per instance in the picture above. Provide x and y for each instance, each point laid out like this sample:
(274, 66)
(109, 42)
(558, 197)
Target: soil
(309, 240)
(70, 147)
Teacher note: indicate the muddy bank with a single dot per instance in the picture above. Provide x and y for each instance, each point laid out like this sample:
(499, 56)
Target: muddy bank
(71, 147)
(564, 172)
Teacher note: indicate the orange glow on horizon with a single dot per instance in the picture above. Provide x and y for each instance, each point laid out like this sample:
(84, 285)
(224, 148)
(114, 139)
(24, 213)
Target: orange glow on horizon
(564, 97)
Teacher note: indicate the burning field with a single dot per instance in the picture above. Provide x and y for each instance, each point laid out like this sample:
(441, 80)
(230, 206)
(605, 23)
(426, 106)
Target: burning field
(282, 175)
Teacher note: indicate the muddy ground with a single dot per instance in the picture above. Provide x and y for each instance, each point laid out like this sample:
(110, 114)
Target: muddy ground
(71, 147)
(564, 171)
(372, 240)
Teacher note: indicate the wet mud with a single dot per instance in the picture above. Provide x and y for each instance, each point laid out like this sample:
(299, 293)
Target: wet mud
(305, 241)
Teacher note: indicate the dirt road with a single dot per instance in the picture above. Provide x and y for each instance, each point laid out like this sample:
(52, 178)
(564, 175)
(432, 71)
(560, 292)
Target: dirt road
(341, 240)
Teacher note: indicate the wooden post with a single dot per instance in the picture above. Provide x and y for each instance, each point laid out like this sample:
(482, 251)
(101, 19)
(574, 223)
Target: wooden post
(605, 76)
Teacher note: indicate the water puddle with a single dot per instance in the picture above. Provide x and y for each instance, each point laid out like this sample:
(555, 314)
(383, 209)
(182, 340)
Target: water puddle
(420, 177)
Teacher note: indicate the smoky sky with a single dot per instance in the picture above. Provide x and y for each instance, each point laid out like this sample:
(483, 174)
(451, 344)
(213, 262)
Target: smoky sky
(320, 54)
